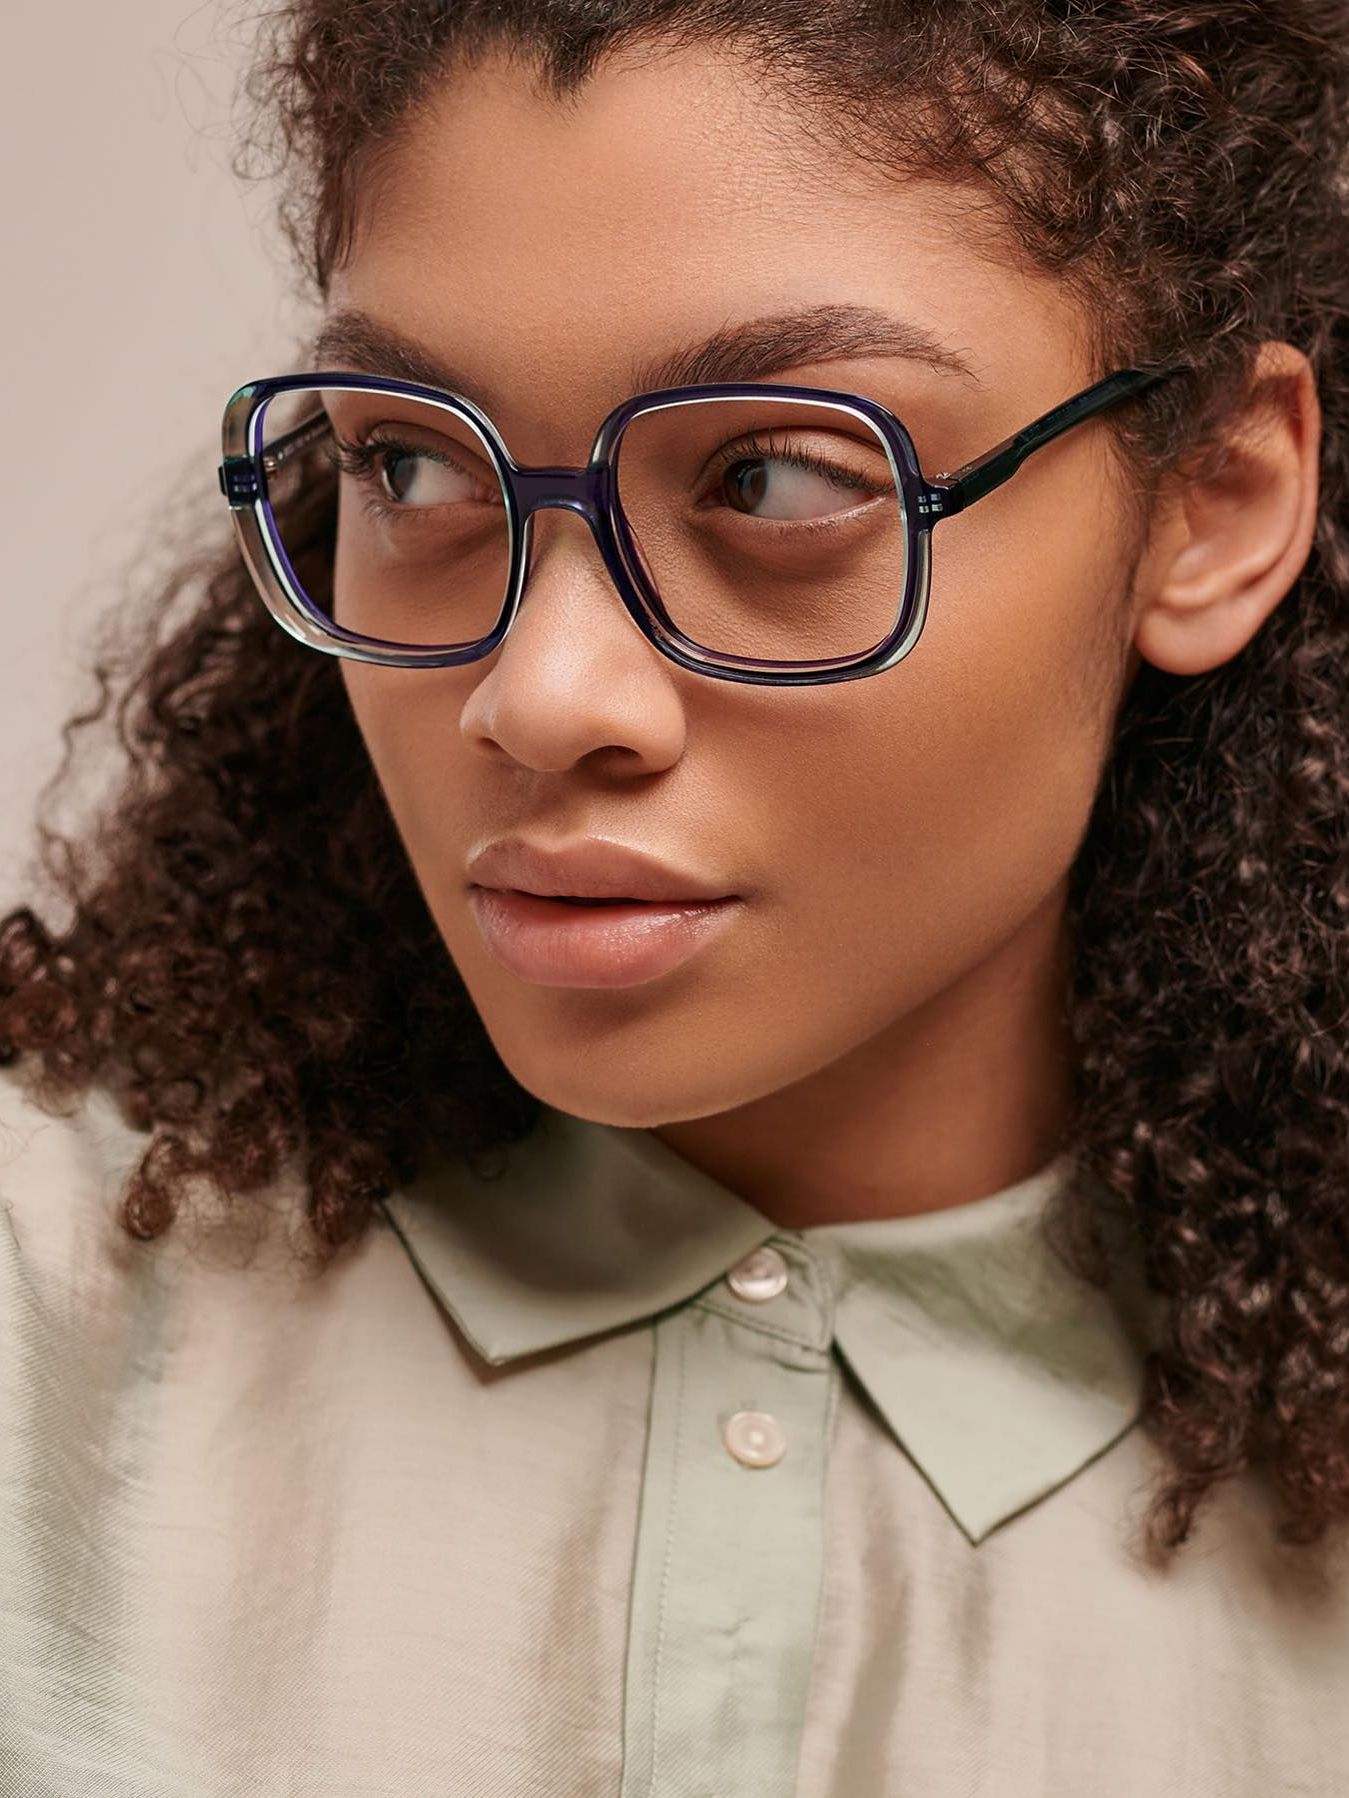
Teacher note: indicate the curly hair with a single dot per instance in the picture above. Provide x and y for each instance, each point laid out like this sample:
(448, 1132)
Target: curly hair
(1183, 168)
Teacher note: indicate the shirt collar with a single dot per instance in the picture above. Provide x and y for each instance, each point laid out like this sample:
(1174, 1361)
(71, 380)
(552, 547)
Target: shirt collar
(1000, 1373)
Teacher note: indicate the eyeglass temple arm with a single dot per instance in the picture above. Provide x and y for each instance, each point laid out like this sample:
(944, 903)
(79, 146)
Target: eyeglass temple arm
(281, 449)
(974, 479)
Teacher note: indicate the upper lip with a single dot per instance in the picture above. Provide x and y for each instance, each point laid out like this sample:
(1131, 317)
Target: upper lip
(589, 869)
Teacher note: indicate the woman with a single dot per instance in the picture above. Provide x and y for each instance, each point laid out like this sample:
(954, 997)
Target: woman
(462, 1339)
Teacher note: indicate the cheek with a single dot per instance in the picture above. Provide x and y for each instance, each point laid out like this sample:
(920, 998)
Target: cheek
(374, 695)
(408, 720)
(955, 790)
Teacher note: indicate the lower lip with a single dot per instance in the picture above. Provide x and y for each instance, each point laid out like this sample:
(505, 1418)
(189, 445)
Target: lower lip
(604, 945)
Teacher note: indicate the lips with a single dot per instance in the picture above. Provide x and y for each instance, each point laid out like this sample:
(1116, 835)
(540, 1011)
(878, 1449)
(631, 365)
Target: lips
(559, 940)
(591, 868)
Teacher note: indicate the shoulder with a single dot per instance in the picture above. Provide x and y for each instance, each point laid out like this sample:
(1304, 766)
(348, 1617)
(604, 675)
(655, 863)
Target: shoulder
(32, 1136)
(68, 1271)
(62, 1174)
(81, 1295)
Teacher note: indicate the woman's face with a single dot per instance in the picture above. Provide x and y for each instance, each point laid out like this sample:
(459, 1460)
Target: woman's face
(900, 843)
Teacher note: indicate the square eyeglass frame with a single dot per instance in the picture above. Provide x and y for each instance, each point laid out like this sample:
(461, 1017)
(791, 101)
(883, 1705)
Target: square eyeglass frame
(592, 492)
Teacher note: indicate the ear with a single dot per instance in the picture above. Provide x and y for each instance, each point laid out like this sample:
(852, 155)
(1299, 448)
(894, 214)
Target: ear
(1229, 540)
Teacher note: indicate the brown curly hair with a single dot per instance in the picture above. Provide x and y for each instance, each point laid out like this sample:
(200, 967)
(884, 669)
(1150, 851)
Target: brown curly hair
(1182, 166)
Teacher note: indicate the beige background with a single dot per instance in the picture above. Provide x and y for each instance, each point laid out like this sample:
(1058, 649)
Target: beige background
(143, 284)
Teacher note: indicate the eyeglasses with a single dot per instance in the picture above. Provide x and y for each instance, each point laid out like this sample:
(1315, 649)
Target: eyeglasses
(761, 533)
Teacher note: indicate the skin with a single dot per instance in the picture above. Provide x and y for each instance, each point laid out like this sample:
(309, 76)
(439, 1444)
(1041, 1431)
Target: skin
(881, 1031)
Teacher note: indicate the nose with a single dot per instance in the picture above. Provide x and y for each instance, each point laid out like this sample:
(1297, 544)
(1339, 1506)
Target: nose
(571, 679)
(583, 566)
(585, 492)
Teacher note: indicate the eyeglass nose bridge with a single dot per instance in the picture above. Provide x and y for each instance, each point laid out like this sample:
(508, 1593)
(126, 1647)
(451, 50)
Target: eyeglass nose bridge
(582, 490)
(589, 493)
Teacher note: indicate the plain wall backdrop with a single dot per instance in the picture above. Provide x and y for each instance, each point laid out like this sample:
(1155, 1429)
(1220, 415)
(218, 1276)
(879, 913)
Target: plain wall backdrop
(144, 282)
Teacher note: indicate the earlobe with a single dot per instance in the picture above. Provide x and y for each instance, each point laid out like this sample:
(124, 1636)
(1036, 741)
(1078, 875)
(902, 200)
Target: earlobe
(1236, 534)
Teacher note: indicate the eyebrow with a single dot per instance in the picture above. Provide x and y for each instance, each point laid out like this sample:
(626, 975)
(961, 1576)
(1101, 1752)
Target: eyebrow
(743, 352)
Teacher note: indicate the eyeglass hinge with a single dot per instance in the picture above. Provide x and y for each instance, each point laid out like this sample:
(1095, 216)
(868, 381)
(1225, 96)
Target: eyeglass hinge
(939, 502)
(238, 480)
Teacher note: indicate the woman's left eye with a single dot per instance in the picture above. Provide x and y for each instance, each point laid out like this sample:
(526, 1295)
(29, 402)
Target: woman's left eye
(790, 484)
(771, 487)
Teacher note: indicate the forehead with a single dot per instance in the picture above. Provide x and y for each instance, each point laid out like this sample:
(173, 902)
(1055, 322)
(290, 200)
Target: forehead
(671, 195)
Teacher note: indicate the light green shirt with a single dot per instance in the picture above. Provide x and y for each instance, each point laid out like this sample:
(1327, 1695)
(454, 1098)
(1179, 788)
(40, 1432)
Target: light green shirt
(578, 1478)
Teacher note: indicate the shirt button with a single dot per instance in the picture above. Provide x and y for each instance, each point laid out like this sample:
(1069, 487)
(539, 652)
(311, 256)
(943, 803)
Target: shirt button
(762, 1275)
(755, 1438)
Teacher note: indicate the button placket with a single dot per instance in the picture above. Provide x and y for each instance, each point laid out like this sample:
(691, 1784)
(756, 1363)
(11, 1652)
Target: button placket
(729, 1552)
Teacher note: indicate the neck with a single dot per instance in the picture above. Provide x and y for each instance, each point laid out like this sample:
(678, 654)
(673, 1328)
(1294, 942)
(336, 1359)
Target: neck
(963, 1096)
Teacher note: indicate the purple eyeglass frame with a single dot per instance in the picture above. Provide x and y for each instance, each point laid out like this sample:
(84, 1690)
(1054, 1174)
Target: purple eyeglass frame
(592, 492)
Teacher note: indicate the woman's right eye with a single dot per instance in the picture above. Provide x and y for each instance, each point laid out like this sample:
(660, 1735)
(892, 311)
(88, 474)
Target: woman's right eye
(396, 463)
(409, 475)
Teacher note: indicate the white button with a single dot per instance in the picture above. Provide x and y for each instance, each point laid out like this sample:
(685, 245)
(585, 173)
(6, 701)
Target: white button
(762, 1275)
(755, 1438)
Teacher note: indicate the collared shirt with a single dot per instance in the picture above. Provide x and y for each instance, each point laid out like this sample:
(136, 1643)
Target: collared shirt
(579, 1478)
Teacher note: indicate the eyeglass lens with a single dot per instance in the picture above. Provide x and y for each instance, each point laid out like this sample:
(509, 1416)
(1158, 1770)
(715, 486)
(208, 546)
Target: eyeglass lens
(768, 528)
